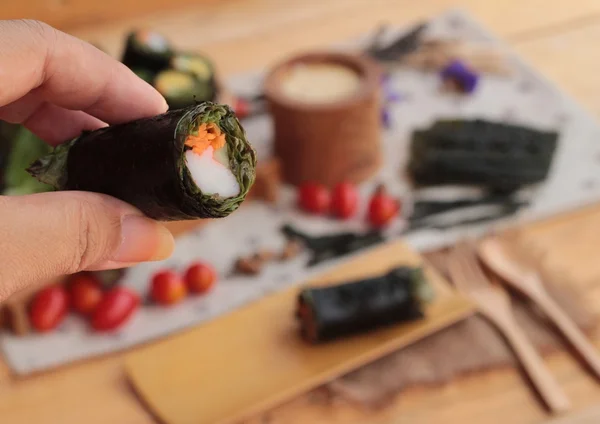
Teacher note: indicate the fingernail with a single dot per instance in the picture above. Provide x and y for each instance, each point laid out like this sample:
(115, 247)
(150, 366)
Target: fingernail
(143, 240)
(164, 104)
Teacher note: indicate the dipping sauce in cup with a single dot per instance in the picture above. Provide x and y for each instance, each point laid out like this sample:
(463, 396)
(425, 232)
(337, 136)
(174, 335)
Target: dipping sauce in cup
(326, 111)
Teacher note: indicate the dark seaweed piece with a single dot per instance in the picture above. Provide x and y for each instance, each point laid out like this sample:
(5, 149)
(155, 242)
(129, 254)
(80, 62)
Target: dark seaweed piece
(403, 45)
(317, 243)
(333, 246)
(331, 312)
(375, 42)
(504, 211)
(145, 74)
(143, 163)
(425, 208)
(497, 156)
(147, 50)
(357, 243)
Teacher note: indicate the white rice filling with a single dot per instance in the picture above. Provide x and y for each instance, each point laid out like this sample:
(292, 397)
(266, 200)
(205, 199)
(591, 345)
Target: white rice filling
(211, 173)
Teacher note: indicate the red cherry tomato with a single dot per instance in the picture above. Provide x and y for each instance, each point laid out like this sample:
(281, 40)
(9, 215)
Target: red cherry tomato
(200, 278)
(241, 108)
(48, 308)
(167, 288)
(382, 208)
(344, 200)
(314, 198)
(115, 309)
(86, 293)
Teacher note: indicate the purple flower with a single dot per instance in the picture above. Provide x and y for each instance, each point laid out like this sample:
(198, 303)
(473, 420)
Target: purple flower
(393, 97)
(389, 96)
(460, 75)
(386, 117)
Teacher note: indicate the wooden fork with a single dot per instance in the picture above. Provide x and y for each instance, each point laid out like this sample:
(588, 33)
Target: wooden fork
(494, 304)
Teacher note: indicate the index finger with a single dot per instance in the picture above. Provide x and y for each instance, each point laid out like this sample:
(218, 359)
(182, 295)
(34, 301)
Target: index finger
(71, 74)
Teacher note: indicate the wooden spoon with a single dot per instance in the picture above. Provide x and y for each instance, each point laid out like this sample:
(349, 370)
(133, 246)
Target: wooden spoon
(525, 279)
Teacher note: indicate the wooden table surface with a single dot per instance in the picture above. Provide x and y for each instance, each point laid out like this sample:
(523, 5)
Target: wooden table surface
(558, 37)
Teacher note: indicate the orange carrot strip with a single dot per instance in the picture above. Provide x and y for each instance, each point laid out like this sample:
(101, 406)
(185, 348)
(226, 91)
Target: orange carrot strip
(208, 135)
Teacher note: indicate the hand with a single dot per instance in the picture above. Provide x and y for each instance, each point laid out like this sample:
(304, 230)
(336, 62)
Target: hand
(57, 86)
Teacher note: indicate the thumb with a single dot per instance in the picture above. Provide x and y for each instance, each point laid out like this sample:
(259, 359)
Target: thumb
(44, 236)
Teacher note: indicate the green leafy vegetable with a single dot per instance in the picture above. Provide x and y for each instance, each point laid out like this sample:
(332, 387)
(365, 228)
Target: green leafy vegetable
(26, 148)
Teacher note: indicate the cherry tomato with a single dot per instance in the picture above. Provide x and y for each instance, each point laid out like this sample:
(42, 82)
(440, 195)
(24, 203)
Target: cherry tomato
(115, 309)
(86, 293)
(382, 208)
(344, 200)
(241, 108)
(48, 308)
(200, 278)
(314, 198)
(167, 288)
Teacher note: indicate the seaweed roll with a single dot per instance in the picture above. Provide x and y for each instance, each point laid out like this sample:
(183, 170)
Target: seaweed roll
(146, 49)
(331, 312)
(184, 164)
(144, 74)
(200, 66)
(181, 89)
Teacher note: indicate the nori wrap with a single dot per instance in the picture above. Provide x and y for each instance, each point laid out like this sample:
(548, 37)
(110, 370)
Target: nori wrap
(189, 79)
(144, 74)
(423, 209)
(398, 48)
(203, 70)
(332, 246)
(182, 89)
(146, 49)
(495, 155)
(331, 312)
(183, 78)
(147, 163)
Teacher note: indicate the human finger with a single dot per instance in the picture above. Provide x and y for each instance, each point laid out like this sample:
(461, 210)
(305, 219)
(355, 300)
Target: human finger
(47, 235)
(71, 73)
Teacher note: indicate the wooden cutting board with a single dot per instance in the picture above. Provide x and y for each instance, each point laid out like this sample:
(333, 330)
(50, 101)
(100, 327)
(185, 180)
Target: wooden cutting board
(587, 416)
(252, 359)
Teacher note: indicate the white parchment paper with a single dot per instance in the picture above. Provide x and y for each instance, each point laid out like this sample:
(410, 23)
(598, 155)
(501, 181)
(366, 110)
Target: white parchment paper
(526, 98)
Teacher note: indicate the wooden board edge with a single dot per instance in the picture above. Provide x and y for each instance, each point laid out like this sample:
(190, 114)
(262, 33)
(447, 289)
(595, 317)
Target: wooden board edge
(460, 310)
(463, 311)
